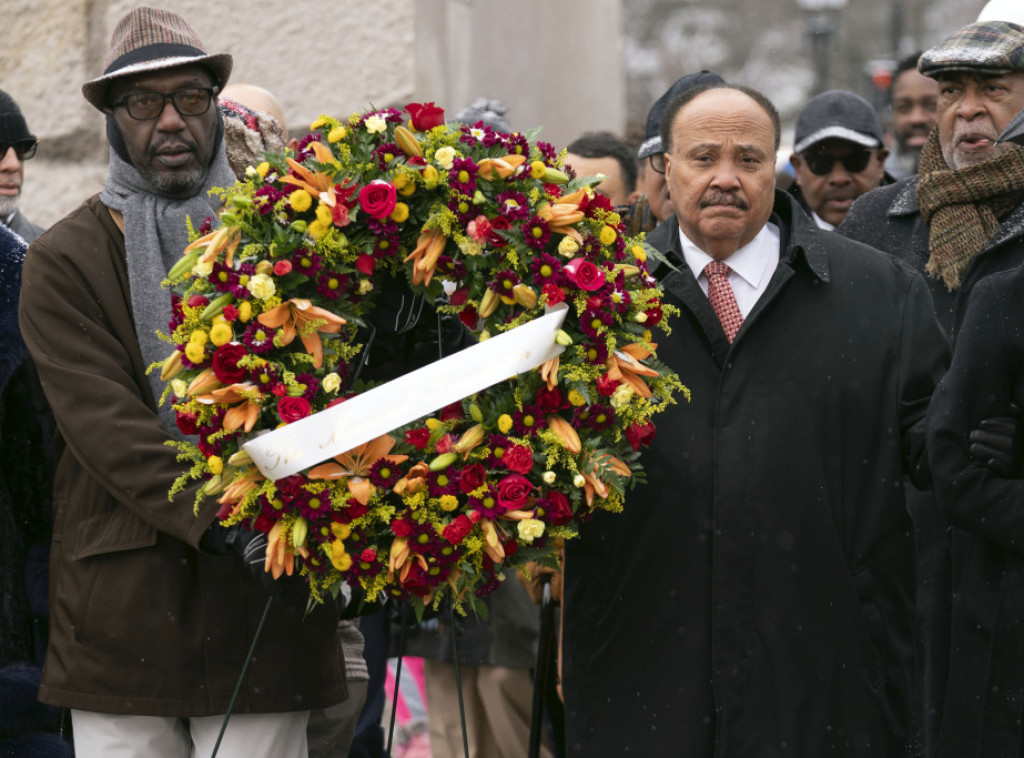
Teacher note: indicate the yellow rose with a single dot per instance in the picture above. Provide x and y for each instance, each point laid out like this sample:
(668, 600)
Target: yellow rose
(375, 124)
(195, 352)
(331, 382)
(445, 157)
(261, 286)
(400, 213)
(215, 464)
(622, 395)
(504, 423)
(530, 529)
(567, 247)
(300, 200)
(220, 334)
(470, 246)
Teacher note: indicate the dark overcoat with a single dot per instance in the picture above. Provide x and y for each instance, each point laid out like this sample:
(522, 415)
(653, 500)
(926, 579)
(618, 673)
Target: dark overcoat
(984, 702)
(755, 596)
(141, 622)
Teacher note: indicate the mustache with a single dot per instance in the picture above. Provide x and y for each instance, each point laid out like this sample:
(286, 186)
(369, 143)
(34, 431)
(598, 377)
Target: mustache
(717, 197)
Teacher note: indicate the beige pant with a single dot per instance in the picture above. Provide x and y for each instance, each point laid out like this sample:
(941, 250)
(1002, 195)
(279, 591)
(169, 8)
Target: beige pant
(497, 701)
(260, 735)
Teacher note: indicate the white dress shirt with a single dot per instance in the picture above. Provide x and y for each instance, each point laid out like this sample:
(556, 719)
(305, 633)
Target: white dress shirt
(752, 265)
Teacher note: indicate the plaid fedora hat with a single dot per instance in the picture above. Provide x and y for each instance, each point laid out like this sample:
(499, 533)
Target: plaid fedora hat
(151, 39)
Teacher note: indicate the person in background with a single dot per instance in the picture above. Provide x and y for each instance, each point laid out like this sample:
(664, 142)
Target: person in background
(652, 152)
(838, 155)
(603, 153)
(914, 102)
(155, 604)
(18, 145)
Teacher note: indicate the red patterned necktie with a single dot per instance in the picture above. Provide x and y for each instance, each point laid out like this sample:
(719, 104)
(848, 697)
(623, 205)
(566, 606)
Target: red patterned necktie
(722, 299)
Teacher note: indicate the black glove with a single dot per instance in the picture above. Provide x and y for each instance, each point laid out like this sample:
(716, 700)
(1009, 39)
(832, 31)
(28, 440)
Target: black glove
(997, 441)
(251, 547)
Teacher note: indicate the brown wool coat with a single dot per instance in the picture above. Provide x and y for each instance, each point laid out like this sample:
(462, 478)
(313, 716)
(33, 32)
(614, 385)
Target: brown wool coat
(140, 621)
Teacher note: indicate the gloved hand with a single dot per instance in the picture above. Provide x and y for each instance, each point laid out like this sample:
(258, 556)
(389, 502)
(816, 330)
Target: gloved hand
(998, 442)
(251, 547)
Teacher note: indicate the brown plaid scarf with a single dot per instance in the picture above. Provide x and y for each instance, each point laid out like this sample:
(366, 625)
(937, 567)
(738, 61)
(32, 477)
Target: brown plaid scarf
(963, 208)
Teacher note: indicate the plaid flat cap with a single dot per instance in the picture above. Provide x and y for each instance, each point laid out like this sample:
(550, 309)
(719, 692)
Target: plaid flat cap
(150, 39)
(986, 47)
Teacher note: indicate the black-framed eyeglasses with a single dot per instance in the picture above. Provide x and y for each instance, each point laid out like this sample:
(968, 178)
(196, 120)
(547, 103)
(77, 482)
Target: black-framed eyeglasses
(658, 162)
(146, 106)
(823, 163)
(24, 149)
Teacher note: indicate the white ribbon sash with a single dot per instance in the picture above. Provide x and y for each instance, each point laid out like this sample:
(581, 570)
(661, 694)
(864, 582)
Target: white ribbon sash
(323, 435)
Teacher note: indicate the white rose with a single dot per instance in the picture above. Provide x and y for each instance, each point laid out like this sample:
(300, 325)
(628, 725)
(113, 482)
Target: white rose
(549, 477)
(578, 480)
(530, 529)
(445, 157)
(261, 286)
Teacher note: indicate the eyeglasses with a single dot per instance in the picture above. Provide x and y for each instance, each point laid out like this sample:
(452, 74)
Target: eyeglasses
(658, 162)
(24, 149)
(823, 163)
(146, 106)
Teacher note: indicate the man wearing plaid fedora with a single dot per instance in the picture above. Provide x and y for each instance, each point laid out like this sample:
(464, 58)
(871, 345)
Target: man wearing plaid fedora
(152, 611)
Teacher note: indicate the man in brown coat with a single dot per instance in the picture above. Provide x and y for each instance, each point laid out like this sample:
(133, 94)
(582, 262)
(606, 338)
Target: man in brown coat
(149, 629)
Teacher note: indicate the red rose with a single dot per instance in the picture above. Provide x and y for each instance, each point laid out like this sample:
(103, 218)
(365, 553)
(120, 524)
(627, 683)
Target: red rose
(471, 477)
(401, 528)
(584, 274)
(452, 411)
(365, 264)
(498, 224)
(418, 437)
(639, 435)
(549, 401)
(291, 409)
(518, 458)
(606, 385)
(424, 116)
(225, 362)
(559, 512)
(653, 316)
(513, 491)
(469, 316)
(290, 487)
(187, 423)
(555, 293)
(378, 198)
(282, 267)
(353, 510)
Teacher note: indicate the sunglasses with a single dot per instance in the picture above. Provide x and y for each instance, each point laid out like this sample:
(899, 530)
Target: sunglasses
(24, 149)
(823, 163)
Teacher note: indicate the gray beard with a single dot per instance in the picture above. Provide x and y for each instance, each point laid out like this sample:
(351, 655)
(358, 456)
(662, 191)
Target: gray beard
(8, 206)
(174, 185)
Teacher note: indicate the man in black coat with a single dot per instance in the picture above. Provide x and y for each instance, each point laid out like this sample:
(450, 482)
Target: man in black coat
(962, 217)
(755, 596)
(985, 698)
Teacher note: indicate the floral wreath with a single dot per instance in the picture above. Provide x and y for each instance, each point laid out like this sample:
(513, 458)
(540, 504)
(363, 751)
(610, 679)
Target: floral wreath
(266, 315)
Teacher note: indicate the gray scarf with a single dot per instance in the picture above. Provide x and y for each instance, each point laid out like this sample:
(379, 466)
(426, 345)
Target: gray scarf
(155, 234)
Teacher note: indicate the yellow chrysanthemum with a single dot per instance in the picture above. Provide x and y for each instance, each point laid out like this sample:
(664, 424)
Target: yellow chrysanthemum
(220, 334)
(215, 464)
(576, 398)
(194, 352)
(448, 503)
(341, 531)
(263, 169)
(318, 228)
(639, 253)
(324, 213)
(300, 200)
(317, 123)
(504, 423)
(336, 134)
(245, 311)
(537, 170)
(400, 213)
(607, 235)
(199, 337)
(339, 558)
(431, 423)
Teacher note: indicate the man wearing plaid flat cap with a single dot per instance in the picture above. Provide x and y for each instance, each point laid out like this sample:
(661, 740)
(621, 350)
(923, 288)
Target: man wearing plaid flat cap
(153, 607)
(958, 221)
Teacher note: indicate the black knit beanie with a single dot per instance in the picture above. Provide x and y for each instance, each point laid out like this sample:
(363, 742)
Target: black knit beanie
(12, 124)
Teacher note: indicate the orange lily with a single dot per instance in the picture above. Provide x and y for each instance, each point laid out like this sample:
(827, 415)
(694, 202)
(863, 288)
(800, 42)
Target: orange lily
(398, 556)
(492, 544)
(625, 366)
(503, 167)
(429, 247)
(592, 483)
(244, 415)
(298, 316)
(225, 238)
(204, 381)
(239, 488)
(561, 217)
(549, 372)
(356, 464)
(280, 555)
(314, 182)
(414, 481)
